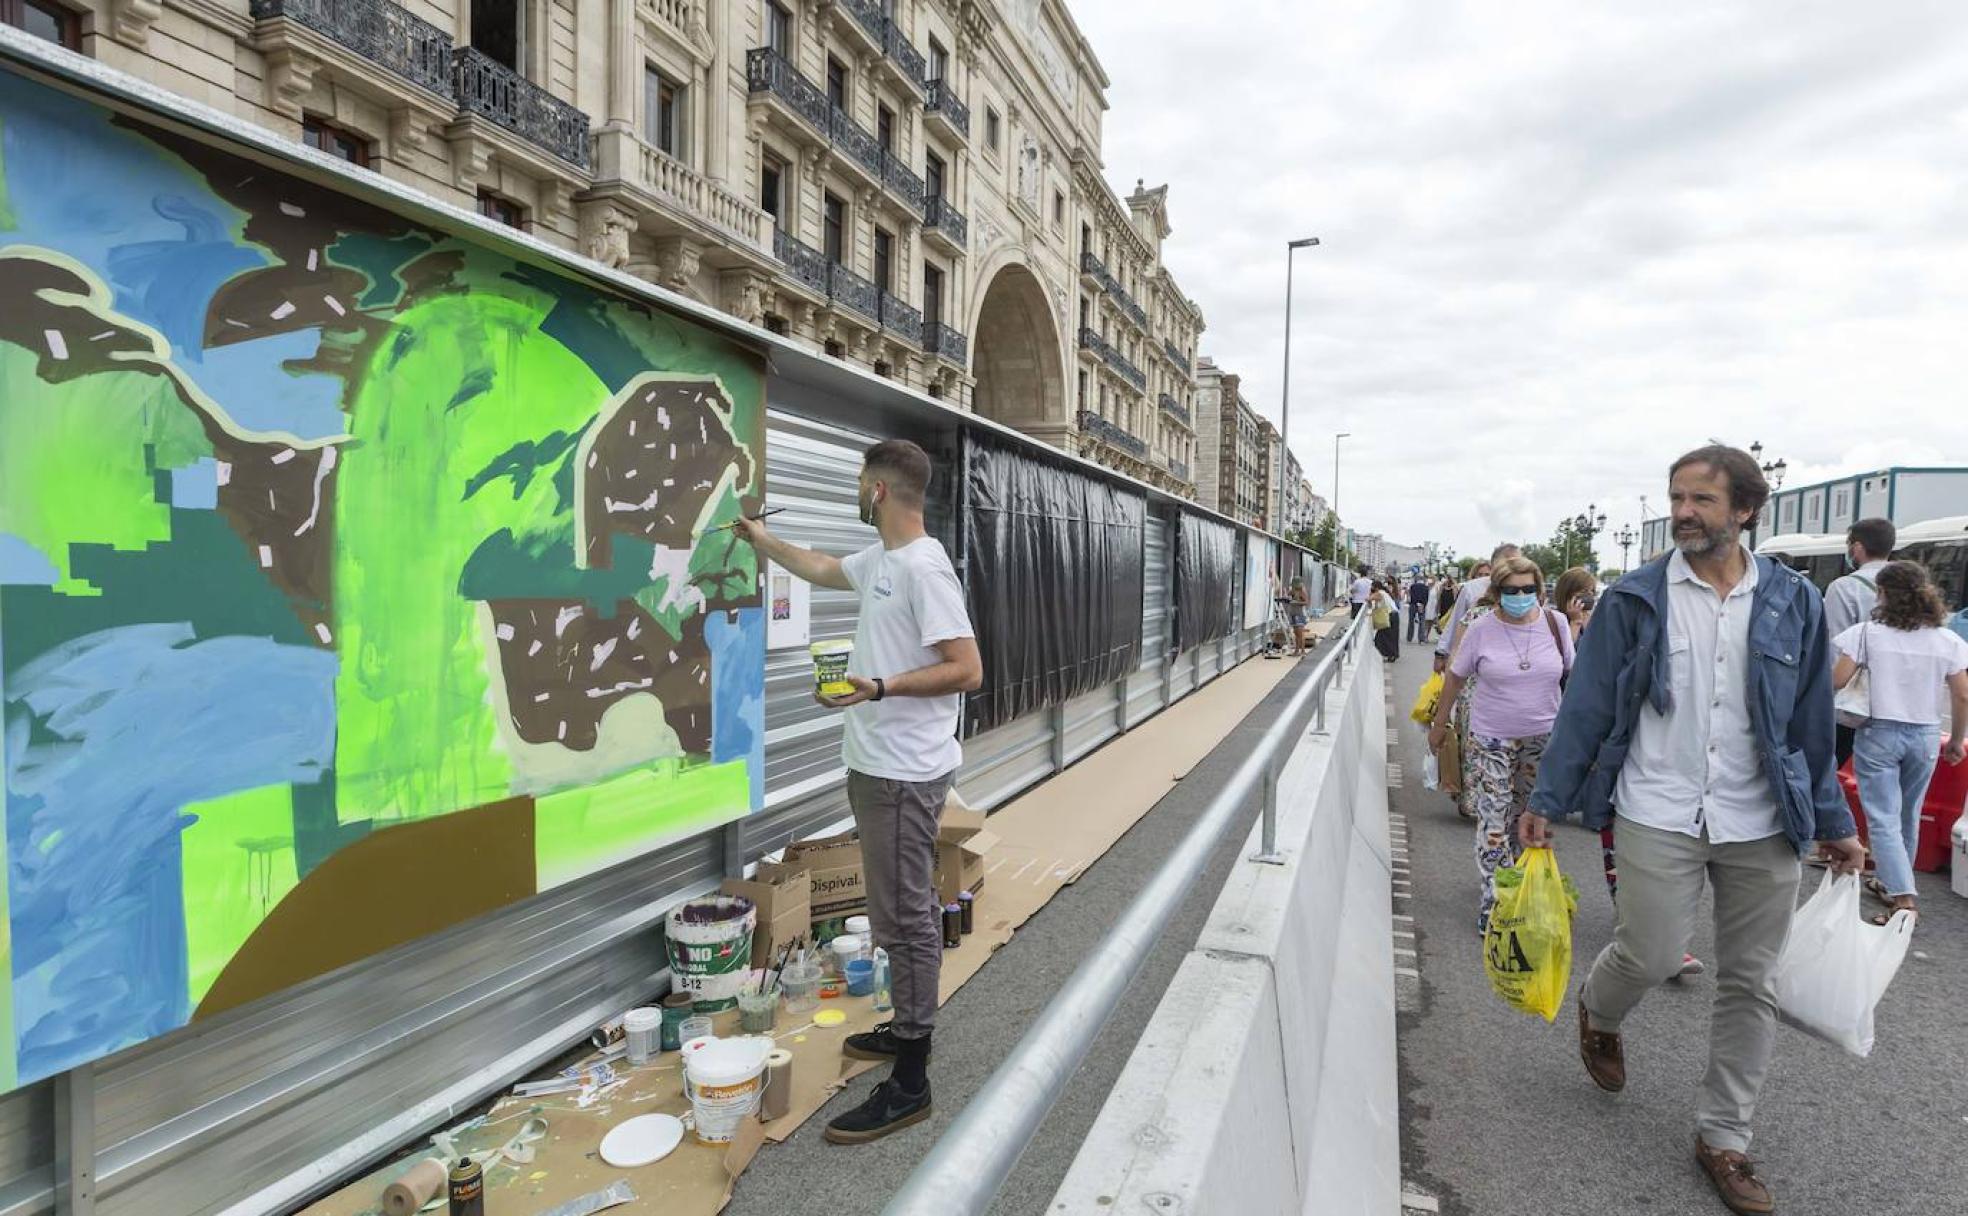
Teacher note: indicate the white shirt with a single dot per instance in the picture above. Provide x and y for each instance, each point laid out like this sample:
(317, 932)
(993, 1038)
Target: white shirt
(910, 600)
(1472, 591)
(1698, 766)
(1852, 598)
(1361, 587)
(1905, 668)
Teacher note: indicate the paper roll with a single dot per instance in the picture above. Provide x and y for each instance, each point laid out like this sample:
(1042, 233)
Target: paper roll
(778, 1096)
(415, 1189)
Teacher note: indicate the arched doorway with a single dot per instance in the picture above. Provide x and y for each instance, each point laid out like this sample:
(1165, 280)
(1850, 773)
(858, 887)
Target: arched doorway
(1015, 355)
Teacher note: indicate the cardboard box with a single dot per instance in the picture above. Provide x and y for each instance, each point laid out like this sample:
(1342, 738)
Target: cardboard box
(782, 896)
(838, 888)
(961, 844)
(839, 885)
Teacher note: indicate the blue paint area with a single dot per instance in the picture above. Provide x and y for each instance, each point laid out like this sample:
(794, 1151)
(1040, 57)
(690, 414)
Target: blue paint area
(196, 486)
(738, 692)
(107, 737)
(256, 385)
(23, 565)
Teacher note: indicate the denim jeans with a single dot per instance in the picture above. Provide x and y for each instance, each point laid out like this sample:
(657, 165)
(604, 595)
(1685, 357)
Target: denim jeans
(1894, 762)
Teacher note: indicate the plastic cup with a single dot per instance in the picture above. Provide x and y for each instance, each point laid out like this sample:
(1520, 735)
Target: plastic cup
(757, 1011)
(800, 982)
(860, 977)
(696, 1026)
(644, 1030)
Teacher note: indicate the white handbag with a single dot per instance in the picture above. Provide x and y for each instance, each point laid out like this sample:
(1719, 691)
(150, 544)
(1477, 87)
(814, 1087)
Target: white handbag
(1853, 703)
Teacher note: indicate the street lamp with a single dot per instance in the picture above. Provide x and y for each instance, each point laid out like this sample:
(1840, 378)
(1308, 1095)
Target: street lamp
(1335, 507)
(1284, 403)
(1772, 469)
(1587, 523)
(1625, 538)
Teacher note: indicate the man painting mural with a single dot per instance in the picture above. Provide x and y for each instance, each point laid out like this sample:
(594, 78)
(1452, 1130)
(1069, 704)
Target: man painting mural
(915, 654)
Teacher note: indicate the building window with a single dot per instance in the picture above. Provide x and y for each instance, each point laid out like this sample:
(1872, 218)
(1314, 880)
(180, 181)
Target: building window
(884, 260)
(504, 210)
(772, 188)
(836, 349)
(779, 29)
(663, 111)
(1086, 238)
(1083, 313)
(882, 369)
(939, 60)
(774, 323)
(836, 83)
(1842, 502)
(329, 138)
(497, 31)
(45, 20)
(1082, 396)
(991, 125)
(1058, 208)
(932, 299)
(885, 127)
(833, 222)
(932, 175)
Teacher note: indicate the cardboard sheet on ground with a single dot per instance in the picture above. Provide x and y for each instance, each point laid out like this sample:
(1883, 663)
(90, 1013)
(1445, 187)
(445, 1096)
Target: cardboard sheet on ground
(1046, 839)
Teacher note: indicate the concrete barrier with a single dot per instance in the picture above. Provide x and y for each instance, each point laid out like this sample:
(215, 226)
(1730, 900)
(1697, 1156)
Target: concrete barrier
(1266, 1081)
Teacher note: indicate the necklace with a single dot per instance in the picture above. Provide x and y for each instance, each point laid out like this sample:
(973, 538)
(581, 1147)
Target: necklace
(1523, 652)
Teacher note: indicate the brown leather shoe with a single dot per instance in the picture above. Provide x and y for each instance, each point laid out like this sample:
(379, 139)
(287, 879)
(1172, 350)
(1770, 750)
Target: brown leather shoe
(1605, 1060)
(1734, 1176)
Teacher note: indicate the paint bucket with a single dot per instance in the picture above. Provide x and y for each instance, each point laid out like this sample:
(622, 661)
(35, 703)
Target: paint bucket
(860, 977)
(844, 950)
(710, 945)
(644, 1028)
(726, 1077)
(830, 667)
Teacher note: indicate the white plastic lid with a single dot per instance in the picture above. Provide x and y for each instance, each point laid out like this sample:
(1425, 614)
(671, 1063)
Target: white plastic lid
(641, 1140)
(644, 1018)
(847, 945)
(858, 924)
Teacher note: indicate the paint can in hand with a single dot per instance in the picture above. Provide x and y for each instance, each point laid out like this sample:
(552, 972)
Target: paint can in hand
(467, 1188)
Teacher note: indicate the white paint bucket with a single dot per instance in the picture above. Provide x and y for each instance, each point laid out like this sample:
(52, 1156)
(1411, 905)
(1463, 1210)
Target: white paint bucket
(726, 1078)
(644, 1030)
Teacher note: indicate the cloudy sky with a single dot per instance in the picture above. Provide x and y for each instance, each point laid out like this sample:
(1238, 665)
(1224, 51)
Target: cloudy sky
(1563, 242)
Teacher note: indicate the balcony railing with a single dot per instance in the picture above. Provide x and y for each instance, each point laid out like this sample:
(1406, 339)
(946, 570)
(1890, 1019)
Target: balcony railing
(1095, 268)
(856, 140)
(1176, 356)
(664, 174)
(1112, 435)
(869, 16)
(940, 216)
(852, 291)
(804, 262)
(767, 71)
(1175, 409)
(900, 317)
(906, 56)
(943, 103)
(1114, 359)
(377, 30)
(944, 342)
(902, 181)
(1134, 311)
(1180, 468)
(494, 91)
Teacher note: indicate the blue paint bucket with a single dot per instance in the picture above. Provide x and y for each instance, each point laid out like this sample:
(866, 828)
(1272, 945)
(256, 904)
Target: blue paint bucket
(860, 977)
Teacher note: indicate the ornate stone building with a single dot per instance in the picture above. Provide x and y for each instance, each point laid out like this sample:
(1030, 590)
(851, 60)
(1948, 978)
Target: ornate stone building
(1230, 445)
(914, 186)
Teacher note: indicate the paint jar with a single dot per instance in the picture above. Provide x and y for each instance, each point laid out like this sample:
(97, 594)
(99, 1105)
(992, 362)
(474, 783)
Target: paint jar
(884, 997)
(800, 982)
(967, 902)
(862, 928)
(860, 977)
(756, 1011)
(830, 667)
(644, 1028)
(696, 1026)
(844, 950)
(674, 1017)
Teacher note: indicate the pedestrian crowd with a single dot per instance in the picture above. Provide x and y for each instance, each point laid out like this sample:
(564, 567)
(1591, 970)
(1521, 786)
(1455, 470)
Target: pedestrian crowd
(1695, 713)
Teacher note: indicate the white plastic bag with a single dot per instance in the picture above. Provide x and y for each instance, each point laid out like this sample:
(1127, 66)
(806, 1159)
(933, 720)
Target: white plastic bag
(1835, 966)
(1431, 772)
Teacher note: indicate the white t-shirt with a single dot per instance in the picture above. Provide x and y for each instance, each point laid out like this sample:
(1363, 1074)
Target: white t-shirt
(1905, 668)
(910, 600)
(1362, 586)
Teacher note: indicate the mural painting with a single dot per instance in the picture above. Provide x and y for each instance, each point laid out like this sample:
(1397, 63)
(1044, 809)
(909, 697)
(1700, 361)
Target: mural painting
(354, 580)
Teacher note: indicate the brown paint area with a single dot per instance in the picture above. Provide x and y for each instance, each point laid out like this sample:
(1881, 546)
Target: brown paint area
(277, 498)
(394, 885)
(564, 664)
(654, 464)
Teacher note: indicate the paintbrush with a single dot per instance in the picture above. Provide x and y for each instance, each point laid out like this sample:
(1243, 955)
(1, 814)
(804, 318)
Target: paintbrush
(754, 519)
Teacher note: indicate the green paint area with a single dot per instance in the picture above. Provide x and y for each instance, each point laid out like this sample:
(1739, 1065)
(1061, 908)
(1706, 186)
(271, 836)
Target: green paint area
(581, 831)
(80, 466)
(238, 862)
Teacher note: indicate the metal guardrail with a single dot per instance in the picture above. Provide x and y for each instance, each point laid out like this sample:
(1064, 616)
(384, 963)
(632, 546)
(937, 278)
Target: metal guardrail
(964, 1171)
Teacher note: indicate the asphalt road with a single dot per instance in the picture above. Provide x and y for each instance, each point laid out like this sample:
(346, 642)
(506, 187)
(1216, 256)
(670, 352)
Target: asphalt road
(1498, 1117)
(987, 1017)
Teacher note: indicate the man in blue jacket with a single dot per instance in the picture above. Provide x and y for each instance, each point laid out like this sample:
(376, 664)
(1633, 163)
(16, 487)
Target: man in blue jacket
(1698, 719)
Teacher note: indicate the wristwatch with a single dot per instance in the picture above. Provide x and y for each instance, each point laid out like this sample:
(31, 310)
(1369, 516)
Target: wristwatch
(881, 689)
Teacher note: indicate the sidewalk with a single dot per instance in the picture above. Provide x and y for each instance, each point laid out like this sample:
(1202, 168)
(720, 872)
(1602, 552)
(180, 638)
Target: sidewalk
(1499, 1118)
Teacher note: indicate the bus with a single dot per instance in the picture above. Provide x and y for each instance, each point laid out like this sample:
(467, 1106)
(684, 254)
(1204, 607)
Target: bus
(1820, 558)
(1941, 545)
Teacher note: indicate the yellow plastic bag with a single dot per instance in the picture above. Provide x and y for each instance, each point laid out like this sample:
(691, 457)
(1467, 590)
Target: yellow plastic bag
(1528, 954)
(1427, 699)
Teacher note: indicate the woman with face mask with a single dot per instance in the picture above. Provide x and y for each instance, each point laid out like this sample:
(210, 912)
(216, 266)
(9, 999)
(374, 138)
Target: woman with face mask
(1519, 656)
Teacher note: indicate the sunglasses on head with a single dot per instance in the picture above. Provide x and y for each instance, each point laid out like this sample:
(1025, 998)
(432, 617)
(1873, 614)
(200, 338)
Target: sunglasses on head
(1517, 589)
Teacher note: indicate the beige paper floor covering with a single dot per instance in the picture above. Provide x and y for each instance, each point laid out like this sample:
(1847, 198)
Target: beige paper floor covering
(1048, 838)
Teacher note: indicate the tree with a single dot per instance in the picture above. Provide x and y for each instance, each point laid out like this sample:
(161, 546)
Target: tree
(1550, 561)
(1322, 536)
(1465, 564)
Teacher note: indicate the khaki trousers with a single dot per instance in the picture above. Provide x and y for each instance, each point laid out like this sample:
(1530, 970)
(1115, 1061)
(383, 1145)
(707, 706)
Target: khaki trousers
(897, 821)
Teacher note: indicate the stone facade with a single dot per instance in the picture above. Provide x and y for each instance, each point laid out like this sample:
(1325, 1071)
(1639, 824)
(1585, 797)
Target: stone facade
(914, 186)
(1230, 446)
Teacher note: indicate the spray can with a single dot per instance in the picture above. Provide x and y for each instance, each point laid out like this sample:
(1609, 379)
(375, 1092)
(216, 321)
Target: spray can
(968, 903)
(884, 995)
(952, 926)
(467, 1192)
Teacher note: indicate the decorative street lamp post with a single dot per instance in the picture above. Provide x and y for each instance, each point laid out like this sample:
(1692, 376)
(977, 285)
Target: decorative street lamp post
(1625, 539)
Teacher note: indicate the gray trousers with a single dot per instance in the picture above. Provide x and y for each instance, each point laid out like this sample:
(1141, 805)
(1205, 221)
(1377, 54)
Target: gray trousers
(1660, 885)
(897, 821)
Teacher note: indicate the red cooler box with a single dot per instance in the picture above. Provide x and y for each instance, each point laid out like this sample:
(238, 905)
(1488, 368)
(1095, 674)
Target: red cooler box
(1946, 795)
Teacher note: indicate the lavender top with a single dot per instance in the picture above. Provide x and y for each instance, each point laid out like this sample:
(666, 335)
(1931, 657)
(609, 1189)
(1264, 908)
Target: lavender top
(1511, 702)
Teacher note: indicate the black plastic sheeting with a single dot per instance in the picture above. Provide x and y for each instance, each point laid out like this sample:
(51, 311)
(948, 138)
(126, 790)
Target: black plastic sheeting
(1055, 571)
(1205, 581)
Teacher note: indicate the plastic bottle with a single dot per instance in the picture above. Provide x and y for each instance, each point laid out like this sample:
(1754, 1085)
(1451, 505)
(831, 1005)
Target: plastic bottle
(884, 999)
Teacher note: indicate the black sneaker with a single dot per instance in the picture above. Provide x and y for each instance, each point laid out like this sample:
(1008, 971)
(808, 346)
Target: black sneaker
(878, 1044)
(888, 1109)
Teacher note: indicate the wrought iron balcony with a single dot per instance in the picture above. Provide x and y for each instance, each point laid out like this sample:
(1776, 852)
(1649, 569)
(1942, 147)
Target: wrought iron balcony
(900, 317)
(851, 291)
(768, 72)
(381, 32)
(856, 140)
(1176, 356)
(942, 220)
(944, 342)
(494, 91)
(902, 181)
(1112, 435)
(1114, 359)
(914, 67)
(943, 106)
(805, 263)
(1175, 409)
(869, 20)
(1093, 268)
(1180, 468)
(1133, 311)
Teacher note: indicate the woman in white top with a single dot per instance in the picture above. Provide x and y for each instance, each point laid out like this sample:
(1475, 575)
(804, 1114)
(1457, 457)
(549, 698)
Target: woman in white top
(1907, 656)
